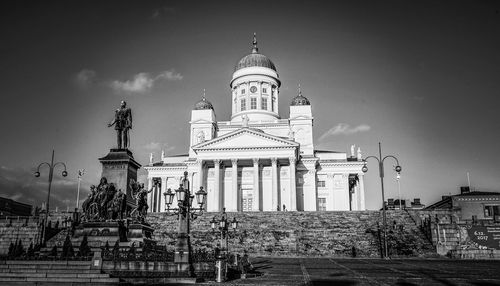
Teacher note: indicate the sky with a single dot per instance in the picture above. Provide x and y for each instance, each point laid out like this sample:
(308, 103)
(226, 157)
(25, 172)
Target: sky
(421, 77)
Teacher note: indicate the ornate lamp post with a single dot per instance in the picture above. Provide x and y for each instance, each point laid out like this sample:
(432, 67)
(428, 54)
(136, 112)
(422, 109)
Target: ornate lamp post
(64, 173)
(222, 225)
(185, 212)
(398, 169)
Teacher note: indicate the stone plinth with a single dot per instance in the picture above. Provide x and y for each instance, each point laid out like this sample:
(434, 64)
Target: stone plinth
(141, 234)
(119, 167)
(100, 232)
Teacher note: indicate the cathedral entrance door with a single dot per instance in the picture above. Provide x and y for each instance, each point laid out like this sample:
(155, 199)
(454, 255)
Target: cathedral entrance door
(247, 200)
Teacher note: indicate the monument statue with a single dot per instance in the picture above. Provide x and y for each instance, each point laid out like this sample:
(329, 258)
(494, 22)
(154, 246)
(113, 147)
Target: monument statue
(352, 150)
(140, 195)
(360, 156)
(122, 123)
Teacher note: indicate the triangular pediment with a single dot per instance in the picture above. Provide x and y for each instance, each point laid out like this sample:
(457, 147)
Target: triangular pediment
(246, 138)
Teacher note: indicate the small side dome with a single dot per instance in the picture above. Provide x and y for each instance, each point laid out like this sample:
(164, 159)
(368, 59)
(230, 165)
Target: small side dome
(300, 99)
(203, 103)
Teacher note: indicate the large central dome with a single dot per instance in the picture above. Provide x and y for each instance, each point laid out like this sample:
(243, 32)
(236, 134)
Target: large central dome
(255, 59)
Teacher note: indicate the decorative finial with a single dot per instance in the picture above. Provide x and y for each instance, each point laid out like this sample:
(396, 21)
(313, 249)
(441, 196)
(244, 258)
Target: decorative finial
(255, 49)
(203, 96)
(299, 90)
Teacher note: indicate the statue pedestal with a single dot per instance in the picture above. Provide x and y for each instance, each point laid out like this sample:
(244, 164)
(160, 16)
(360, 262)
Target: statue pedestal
(111, 231)
(100, 232)
(119, 167)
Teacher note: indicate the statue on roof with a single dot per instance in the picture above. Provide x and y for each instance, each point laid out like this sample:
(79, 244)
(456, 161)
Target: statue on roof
(244, 120)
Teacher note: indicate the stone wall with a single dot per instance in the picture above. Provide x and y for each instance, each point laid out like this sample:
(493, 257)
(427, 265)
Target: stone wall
(297, 234)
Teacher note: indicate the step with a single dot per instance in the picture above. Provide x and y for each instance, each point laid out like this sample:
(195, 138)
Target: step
(50, 267)
(3, 275)
(54, 271)
(77, 275)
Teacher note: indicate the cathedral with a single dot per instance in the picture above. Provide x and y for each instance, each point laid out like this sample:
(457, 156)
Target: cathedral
(258, 161)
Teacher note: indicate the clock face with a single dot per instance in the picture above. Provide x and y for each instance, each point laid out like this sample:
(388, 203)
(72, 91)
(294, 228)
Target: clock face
(253, 89)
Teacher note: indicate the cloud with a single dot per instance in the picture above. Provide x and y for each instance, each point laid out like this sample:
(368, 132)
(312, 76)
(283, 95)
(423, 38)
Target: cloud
(170, 75)
(141, 83)
(344, 129)
(144, 82)
(159, 13)
(152, 146)
(85, 78)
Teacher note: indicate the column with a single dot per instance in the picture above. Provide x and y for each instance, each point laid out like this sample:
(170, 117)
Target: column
(274, 167)
(200, 176)
(361, 192)
(247, 95)
(150, 195)
(256, 189)
(310, 191)
(161, 200)
(277, 101)
(331, 191)
(355, 197)
(217, 185)
(293, 187)
(235, 199)
(259, 97)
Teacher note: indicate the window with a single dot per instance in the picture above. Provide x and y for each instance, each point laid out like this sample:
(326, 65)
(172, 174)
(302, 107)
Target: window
(253, 103)
(322, 204)
(243, 104)
(243, 91)
(264, 90)
(491, 211)
(264, 103)
(321, 184)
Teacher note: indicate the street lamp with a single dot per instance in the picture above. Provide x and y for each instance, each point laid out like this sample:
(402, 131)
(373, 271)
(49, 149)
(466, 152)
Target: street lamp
(381, 174)
(64, 173)
(398, 177)
(222, 225)
(81, 172)
(185, 212)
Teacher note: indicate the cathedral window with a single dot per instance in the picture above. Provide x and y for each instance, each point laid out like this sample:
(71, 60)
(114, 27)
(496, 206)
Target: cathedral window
(243, 91)
(253, 103)
(264, 90)
(243, 104)
(321, 184)
(264, 104)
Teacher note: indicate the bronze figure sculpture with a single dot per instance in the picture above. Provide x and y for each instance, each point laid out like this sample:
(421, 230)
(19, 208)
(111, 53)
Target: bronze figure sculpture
(122, 123)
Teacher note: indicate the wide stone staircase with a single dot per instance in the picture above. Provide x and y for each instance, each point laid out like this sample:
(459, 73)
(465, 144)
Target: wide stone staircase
(36, 272)
(14, 229)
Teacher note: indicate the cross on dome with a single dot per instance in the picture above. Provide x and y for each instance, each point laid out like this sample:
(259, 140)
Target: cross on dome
(254, 43)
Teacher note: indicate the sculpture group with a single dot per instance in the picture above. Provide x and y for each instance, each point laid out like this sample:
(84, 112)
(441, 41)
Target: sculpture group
(105, 203)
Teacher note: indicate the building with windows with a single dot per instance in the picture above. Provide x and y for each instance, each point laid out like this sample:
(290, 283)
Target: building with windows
(256, 160)
(471, 205)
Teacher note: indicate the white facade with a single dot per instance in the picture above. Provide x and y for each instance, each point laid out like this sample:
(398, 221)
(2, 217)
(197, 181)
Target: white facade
(257, 161)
